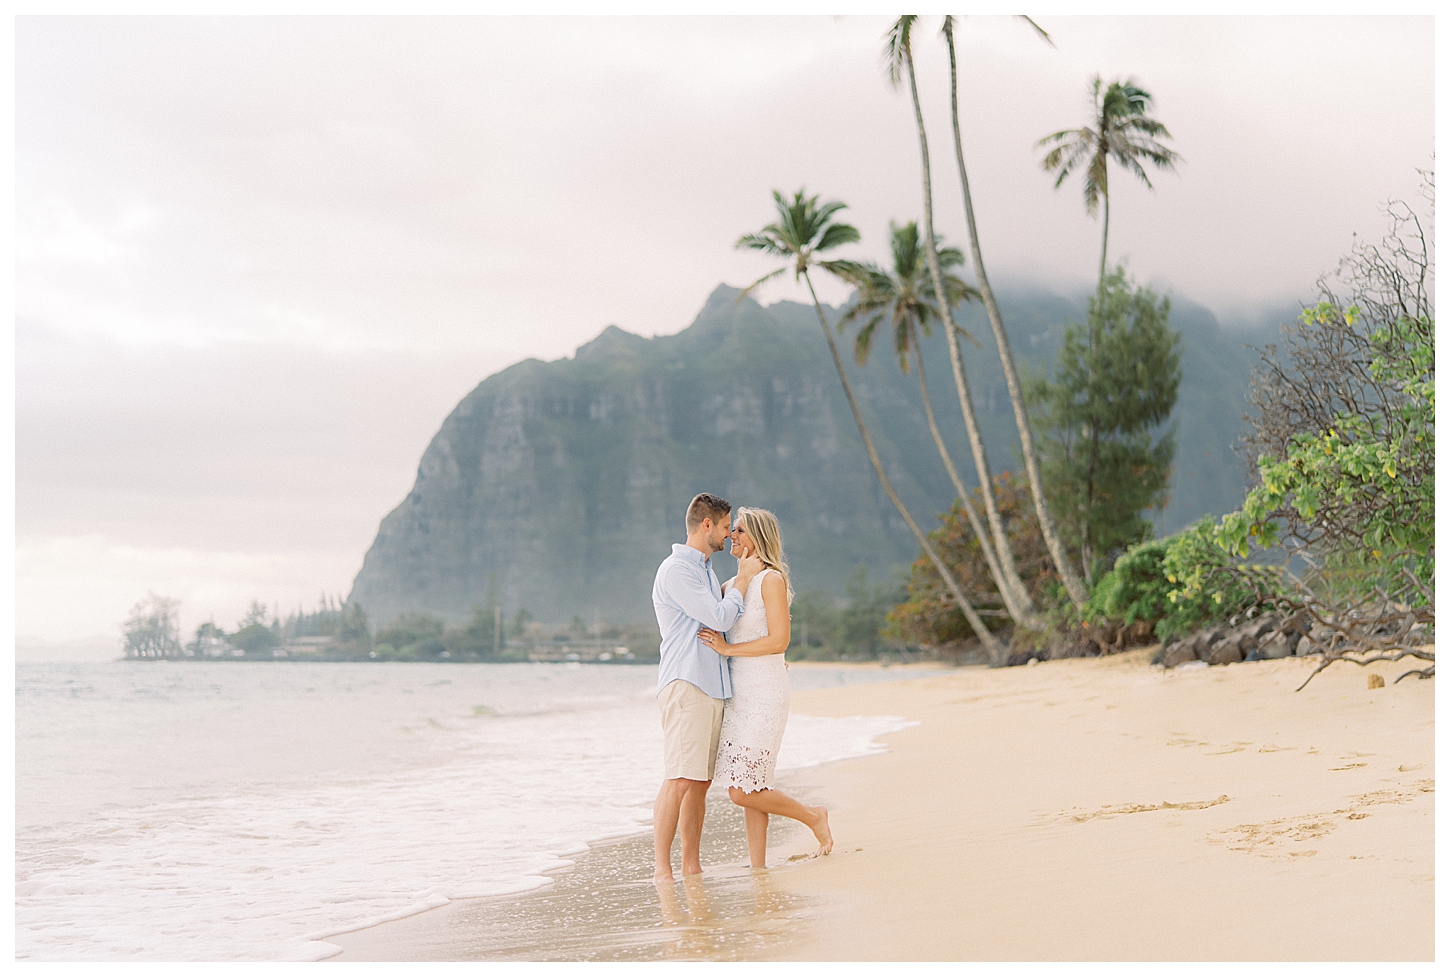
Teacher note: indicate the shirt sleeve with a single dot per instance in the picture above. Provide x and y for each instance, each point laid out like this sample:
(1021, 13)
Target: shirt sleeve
(692, 592)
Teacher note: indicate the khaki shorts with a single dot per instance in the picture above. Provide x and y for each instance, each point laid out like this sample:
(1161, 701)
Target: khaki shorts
(691, 720)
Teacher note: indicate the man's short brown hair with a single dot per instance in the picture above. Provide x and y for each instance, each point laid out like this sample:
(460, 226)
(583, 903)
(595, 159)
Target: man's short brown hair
(705, 506)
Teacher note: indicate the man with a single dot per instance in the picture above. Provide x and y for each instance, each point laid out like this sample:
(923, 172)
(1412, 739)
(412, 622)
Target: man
(694, 681)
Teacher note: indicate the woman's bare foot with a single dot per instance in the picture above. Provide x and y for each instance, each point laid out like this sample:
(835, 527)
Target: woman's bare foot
(822, 829)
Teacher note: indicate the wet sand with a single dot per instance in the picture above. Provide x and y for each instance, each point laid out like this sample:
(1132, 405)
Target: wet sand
(607, 908)
(1092, 809)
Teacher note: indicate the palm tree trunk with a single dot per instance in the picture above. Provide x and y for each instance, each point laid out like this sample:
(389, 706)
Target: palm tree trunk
(1070, 580)
(1008, 598)
(1087, 512)
(1103, 261)
(995, 652)
(1087, 516)
(1014, 594)
(994, 515)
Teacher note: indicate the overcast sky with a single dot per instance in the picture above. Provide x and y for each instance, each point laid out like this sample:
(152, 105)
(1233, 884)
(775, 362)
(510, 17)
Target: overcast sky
(260, 260)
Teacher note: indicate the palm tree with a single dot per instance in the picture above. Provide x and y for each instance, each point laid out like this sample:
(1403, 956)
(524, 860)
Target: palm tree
(1070, 580)
(898, 56)
(1121, 131)
(802, 231)
(903, 296)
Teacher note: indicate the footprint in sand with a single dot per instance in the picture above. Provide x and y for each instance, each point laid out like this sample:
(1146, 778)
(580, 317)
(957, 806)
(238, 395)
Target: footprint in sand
(1109, 811)
(1394, 796)
(805, 855)
(1269, 839)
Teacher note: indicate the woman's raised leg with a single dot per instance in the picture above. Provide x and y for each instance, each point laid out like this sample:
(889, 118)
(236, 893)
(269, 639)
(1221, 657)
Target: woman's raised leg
(770, 801)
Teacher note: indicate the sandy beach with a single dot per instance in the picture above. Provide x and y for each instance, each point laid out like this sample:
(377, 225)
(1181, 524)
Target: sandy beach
(1089, 809)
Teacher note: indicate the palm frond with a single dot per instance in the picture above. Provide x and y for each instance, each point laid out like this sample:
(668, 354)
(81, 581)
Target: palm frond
(835, 235)
(1062, 135)
(898, 47)
(863, 340)
(844, 269)
(1095, 182)
(1145, 125)
(862, 305)
(760, 281)
(763, 241)
(902, 343)
(959, 291)
(1067, 156)
(852, 272)
(1040, 32)
(1131, 164)
(969, 336)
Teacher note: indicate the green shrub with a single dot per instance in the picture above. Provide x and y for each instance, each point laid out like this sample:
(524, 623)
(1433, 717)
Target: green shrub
(1206, 585)
(1136, 589)
(1178, 583)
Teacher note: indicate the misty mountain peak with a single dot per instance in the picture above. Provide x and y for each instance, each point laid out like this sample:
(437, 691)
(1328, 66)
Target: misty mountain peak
(610, 343)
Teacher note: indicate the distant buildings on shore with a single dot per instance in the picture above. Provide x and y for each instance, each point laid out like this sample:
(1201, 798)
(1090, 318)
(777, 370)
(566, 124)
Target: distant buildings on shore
(580, 651)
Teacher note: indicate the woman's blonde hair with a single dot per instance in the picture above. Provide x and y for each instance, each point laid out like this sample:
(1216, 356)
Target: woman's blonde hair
(764, 531)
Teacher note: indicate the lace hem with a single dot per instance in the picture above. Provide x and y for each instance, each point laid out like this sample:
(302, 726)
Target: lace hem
(747, 768)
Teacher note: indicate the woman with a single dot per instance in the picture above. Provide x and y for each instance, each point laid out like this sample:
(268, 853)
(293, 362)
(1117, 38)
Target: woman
(756, 712)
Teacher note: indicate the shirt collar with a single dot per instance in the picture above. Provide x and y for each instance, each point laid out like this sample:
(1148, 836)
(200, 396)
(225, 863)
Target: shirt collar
(690, 553)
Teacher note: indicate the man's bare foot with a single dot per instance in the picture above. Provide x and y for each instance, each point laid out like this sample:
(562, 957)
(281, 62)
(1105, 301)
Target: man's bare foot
(664, 876)
(822, 830)
(692, 870)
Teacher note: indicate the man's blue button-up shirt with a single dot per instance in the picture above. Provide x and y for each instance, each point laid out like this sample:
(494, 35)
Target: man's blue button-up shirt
(687, 597)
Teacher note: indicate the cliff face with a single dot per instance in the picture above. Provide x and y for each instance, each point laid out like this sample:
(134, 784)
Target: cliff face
(563, 484)
(566, 482)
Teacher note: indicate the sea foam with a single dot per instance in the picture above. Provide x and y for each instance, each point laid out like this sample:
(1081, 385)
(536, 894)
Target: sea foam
(452, 803)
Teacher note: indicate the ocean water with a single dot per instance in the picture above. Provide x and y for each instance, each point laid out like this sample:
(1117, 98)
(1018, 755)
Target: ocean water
(248, 811)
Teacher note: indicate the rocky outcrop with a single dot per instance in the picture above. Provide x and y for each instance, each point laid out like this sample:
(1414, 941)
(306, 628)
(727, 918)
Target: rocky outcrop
(560, 486)
(1259, 638)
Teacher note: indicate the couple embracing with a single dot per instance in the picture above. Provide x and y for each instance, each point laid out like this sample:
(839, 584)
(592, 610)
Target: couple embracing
(723, 693)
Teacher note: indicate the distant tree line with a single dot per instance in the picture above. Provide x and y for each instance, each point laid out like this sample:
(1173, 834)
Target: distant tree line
(824, 628)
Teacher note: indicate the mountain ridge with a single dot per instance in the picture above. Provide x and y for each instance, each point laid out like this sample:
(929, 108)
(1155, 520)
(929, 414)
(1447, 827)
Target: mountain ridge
(558, 486)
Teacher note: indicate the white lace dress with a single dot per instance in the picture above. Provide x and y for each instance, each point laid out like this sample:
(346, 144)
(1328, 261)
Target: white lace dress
(759, 704)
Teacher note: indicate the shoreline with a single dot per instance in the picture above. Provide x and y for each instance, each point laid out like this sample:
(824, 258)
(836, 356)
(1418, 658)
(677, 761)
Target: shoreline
(1086, 809)
(605, 907)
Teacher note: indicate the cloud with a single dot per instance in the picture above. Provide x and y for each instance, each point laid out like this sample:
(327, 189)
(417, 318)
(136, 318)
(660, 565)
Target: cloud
(223, 472)
(70, 589)
(259, 259)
